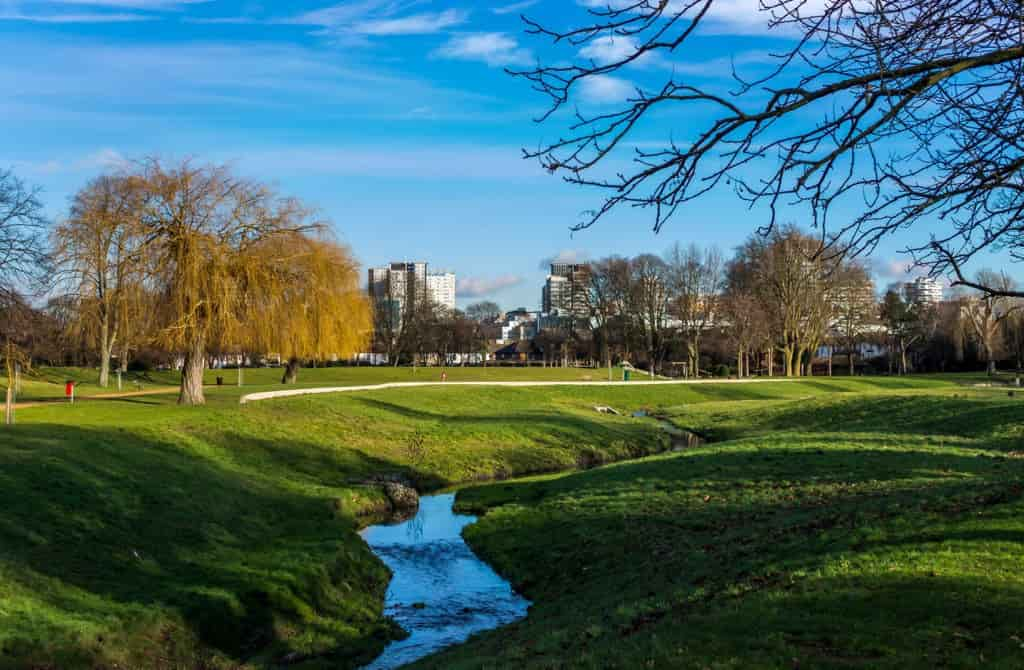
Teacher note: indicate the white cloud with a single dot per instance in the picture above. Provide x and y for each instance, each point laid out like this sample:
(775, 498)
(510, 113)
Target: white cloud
(563, 256)
(609, 49)
(66, 11)
(380, 17)
(725, 17)
(604, 89)
(477, 287)
(415, 24)
(515, 7)
(74, 17)
(495, 49)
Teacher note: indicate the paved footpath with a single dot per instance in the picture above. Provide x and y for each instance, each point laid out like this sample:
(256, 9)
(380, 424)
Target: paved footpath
(271, 395)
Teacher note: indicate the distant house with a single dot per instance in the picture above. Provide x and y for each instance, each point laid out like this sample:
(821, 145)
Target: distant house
(523, 351)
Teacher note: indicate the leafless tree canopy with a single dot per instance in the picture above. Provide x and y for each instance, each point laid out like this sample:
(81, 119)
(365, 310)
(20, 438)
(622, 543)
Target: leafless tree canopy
(22, 234)
(907, 111)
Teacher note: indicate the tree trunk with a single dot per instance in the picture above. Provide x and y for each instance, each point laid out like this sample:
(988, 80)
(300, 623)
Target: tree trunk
(192, 375)
(830, 361)
(853, 363)
(106, 350)
(9, 407)
(991, 367)
(291, 371)
(771, 362)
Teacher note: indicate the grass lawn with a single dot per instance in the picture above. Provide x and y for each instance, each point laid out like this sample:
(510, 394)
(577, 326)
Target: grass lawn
(48, 383)
(136, 534)
(876, 530)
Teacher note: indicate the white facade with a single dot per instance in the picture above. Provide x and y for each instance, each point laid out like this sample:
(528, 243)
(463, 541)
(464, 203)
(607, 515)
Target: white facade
(441, 289)
(923, 290)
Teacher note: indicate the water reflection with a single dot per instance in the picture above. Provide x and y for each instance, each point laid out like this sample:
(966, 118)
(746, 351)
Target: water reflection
(440, 592)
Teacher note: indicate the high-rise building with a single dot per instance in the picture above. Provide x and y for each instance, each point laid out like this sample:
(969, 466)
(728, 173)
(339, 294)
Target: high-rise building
(565, 291)
(398, 284)
(922, 291)
(441, 289)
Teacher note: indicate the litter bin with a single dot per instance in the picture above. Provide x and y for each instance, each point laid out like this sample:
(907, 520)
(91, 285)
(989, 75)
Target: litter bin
(220, 381)
(625, 375)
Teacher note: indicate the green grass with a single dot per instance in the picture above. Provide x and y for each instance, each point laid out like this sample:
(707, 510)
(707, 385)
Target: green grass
(876, 530)
(132, 529)
(134, 533)
(48, 383)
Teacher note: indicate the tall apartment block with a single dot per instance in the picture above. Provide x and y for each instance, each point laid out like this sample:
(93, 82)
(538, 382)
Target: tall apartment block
(403, 284)
(565, 291)
(923, 290)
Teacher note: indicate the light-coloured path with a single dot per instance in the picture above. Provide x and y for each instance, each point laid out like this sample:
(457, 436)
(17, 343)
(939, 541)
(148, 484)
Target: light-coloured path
(163, 390)
(271, 395)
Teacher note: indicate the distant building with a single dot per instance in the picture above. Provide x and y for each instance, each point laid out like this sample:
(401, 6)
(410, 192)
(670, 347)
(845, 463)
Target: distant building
(565, 291)
(401, 284)
(518, 325)
(441, 289)
(922, 291)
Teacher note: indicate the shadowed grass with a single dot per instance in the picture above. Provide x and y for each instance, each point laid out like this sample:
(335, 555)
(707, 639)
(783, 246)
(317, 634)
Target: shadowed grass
(829, 532)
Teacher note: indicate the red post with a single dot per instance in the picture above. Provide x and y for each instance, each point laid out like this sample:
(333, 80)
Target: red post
(69, 391)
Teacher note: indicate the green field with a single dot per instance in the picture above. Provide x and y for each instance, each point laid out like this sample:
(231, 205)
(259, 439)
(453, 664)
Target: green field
(134, 533)
(48, 383)
(875, 531)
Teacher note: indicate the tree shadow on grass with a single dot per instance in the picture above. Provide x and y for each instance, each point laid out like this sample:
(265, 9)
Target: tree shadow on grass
(759, 557)
(121, 523)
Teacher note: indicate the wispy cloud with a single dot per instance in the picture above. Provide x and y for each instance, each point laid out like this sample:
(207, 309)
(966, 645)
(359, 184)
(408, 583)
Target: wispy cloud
(605, 89)
(380, 18)
(725, 17)
(563, 256)
(515, 7)
(89, 78)
(495, 49)
(95, 11)
(478, 287)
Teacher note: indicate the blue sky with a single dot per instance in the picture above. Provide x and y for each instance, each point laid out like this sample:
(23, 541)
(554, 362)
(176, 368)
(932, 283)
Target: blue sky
(393, 117)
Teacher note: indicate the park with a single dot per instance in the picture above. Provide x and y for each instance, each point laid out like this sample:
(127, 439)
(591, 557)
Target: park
(521, 334)
(826, 522)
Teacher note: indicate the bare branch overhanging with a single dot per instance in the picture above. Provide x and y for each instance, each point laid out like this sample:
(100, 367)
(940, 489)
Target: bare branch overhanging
(920, 109)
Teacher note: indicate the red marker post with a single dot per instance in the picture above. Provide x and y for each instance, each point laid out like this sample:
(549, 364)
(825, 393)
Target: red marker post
(69, 391)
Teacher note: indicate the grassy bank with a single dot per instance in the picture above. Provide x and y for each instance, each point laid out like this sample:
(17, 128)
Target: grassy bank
(869, 530)
(134, 533)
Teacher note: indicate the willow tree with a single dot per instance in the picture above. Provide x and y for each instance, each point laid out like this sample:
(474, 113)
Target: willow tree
(203, 228)
(99, 264)
(307, 301)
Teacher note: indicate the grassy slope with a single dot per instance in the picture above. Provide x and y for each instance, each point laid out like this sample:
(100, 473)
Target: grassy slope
(133, 531)
(137, 534)
(831, 531)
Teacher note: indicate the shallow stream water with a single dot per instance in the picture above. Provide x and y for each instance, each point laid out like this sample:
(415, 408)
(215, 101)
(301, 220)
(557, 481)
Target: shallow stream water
(440, 592)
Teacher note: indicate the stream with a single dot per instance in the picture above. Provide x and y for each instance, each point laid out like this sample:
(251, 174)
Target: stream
(440, 592)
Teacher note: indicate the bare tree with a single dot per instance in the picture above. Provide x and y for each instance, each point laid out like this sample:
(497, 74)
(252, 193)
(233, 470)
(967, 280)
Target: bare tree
(603, 301)
(856, 309)
(908, 325)
(649, 305)
(746, 322)
(986, 313)
(97, 252)
(795, 284)
(910, 107)
(22, 234)
(696, 281)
